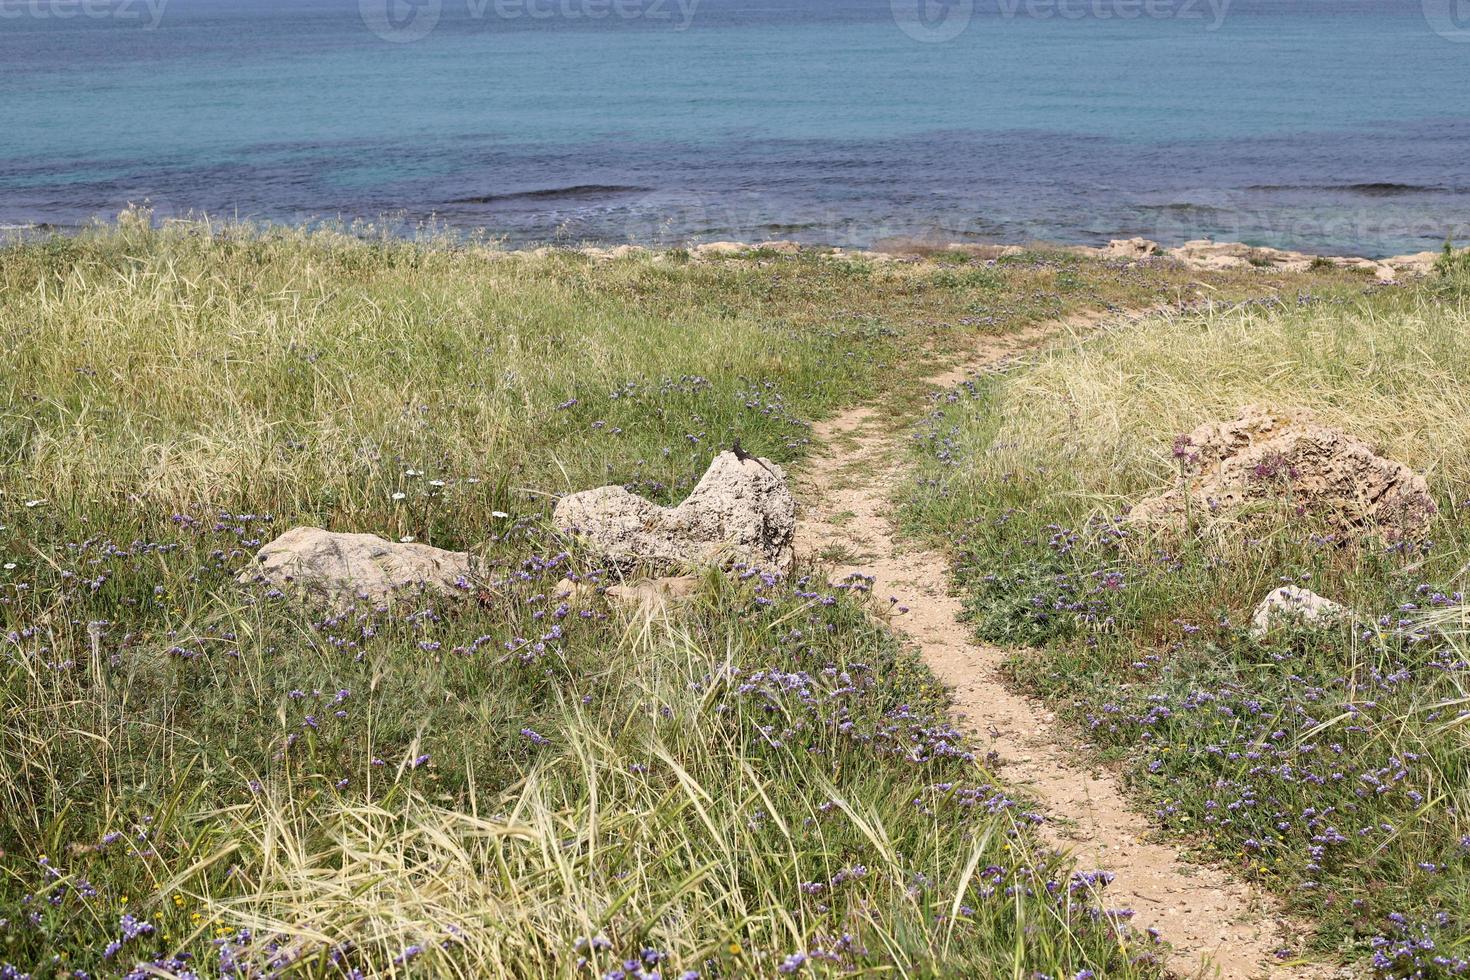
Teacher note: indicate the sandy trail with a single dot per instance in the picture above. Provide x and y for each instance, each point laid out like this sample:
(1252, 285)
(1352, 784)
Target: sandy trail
(1216, 925)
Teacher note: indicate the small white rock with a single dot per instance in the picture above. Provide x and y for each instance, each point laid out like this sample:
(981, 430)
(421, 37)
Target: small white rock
(1290, 604)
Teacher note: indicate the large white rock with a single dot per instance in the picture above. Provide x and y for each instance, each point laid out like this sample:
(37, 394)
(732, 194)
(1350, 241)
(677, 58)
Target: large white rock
(740, 511)
(349, 566)
(1332, 478)
(1290, 605)
(1130, 248)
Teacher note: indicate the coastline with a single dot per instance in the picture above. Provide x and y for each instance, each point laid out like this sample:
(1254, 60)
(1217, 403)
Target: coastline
(1202, 254)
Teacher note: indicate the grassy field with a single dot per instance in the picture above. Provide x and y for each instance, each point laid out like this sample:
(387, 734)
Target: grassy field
(202, 779)
(1332, 766)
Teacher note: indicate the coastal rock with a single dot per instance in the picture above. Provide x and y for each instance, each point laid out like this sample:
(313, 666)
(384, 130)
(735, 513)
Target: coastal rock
(1330, 476)
(740, 511)
(714, 249)
(905, 248)
(1203, 254)
(363, 566)
(1207, 255)
(1417, 264)
(1130, 248)
(615, 252)
(722, 249)
(1214, 256)
(1291, 605)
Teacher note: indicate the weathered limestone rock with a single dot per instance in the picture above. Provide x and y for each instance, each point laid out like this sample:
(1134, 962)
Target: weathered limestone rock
(1130, 248)
(1330, 476)
(655, 593)
(347, 566)
(1209, 255)
(740, 511)
(1291, 605)
(1417, 264)
(1205, 254)
(710, 249)
(615, 252)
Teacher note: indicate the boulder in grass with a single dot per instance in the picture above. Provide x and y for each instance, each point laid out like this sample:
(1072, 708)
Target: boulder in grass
(1291, 606)
(342, 567)
(1130, 248)
(1333, 479)
(718, 249)
(741, 511)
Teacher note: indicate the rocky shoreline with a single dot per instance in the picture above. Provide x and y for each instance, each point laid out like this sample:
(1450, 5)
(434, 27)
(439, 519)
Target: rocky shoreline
(1203, 254)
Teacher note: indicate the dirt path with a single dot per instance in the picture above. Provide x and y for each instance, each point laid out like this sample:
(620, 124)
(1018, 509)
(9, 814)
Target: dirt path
(1217, 926)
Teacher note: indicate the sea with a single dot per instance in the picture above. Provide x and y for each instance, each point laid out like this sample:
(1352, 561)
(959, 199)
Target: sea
(1335, 126)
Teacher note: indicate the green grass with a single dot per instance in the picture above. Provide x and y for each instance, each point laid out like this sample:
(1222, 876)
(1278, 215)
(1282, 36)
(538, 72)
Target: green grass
(763, 779)
(1331, 766)
(374, 784)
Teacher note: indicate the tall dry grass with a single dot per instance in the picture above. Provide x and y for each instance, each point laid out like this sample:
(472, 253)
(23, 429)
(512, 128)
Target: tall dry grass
(1395, 372)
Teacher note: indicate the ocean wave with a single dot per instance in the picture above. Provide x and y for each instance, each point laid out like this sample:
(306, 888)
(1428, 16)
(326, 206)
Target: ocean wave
(1184, 207)
(554, 193)
(1366, 189)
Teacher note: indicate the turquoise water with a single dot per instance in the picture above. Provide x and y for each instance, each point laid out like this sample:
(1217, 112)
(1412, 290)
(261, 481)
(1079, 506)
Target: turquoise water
(1330, 125)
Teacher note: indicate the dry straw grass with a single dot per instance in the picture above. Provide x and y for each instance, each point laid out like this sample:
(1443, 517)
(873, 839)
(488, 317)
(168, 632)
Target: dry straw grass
(1396, 373)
